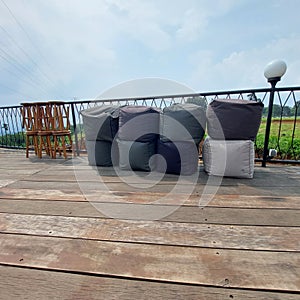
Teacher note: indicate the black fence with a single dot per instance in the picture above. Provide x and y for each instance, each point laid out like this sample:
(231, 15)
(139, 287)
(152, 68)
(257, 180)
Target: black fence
(284, 134)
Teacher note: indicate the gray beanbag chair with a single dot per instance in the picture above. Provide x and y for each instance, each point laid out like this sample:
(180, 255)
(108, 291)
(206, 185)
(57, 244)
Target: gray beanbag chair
(232, 158)
(183, 122)
(233, 119)
(101, 122)
(138, 123)
(177, 158)
(135, 155)
(99, 153)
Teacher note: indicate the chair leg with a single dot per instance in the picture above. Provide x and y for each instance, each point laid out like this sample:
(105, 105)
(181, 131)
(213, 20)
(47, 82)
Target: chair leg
(40, 146)
(63, 143)
(35, 144)
(27, 146)
(54, 146)
(49, 146)
(60, 145)
(71, 144)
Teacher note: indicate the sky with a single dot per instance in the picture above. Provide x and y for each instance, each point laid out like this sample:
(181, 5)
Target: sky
(84, 49)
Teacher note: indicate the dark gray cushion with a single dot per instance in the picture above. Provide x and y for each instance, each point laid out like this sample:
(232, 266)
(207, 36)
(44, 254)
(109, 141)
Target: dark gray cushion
(231, 119)
(99, 153)
(135, 155)
(101, 122)
(177, 158)
(183, 122)
(138, 123)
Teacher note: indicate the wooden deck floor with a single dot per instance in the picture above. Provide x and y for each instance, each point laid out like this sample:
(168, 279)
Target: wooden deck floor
(60, 240)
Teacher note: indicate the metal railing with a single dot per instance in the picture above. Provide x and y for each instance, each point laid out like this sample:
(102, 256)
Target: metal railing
(284, 135)
(11, 131)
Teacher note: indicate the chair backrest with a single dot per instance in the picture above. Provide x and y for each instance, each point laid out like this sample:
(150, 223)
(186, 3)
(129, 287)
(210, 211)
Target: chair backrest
(60, 112)
(44, 117)
(29, 116)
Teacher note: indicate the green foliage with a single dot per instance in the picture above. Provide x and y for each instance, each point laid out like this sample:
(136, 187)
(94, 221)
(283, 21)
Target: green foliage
(198, 101)
(279, 111)
(284, 111)
(288, 143)
(13, 140)
(296, 109)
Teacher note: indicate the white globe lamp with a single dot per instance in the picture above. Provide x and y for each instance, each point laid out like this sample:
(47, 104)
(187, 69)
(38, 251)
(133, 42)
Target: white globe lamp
(273, 72)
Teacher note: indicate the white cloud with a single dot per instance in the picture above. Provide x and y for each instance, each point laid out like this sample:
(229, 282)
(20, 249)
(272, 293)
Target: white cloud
(88, 46)
(143, 87)
(194, 22)
(74, 40)
(141, 21)
(244, 69)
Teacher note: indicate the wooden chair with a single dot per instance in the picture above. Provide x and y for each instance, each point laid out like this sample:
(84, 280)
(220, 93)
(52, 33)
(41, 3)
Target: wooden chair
(61, 128)
(44, 119)
(30, 123)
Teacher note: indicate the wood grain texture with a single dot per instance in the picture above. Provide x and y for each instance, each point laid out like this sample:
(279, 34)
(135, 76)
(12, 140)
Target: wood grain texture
(185, 214)
(242, 201)
(232, 268)
(159, 188)
(58, 241)
(153, 232)
(20, 283)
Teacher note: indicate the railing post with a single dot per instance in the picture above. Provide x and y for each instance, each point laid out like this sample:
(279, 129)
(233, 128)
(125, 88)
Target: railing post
(268, 124)
(75, 129)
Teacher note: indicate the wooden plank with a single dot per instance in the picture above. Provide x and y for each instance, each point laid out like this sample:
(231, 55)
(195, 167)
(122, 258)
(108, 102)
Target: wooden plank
(19, 283)
(283, 177)
(252, 216)
(232, 268)
(261, 179)
(41, 194)
(187, 214)
(245, 201)
(166, 188)
(62, 208)
(153, 232)
(13, 172)
(34, 163)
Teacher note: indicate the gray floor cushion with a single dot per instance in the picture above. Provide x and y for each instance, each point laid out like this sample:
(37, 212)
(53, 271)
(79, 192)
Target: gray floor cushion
(232, 158)
(135, 155)
(99, 153)
(139, 123)
(177, 158)
(101, 122)
(233, 119)
(183, 122)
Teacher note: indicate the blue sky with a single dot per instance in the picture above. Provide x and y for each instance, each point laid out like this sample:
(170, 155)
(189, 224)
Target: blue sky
(61, 49)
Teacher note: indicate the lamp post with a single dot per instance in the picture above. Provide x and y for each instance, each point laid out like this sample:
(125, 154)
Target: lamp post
(273, 72)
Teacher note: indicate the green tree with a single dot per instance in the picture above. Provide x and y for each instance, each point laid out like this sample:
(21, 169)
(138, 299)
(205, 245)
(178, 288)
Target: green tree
(286, 111)
(201, 101)
(296, 109)
(276, 113)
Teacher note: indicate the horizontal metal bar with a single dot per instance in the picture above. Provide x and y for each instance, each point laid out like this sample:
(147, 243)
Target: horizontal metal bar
(197, 94)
